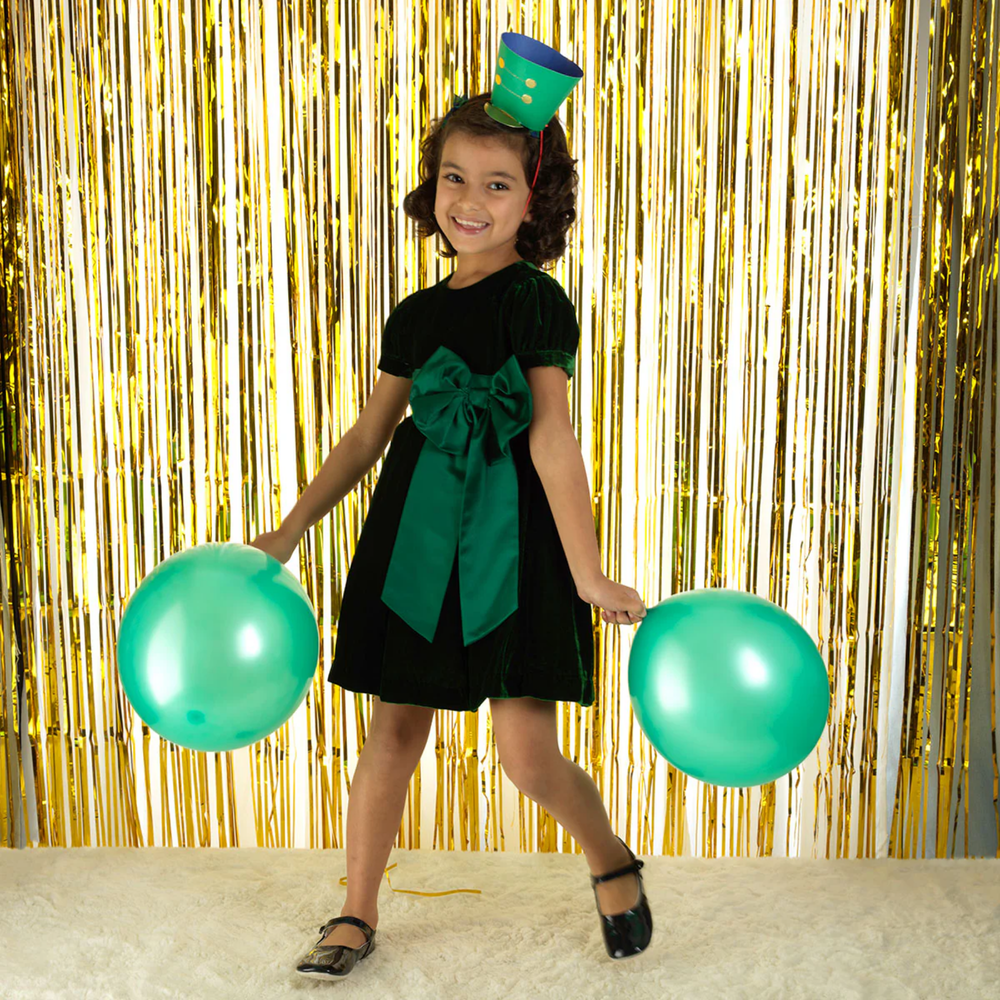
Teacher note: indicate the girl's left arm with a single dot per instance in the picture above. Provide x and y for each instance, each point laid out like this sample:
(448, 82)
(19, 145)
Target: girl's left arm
(555, 453)
(559, 463)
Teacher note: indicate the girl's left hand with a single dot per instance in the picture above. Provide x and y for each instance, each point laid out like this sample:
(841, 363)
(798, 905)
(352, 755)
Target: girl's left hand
(619, 605)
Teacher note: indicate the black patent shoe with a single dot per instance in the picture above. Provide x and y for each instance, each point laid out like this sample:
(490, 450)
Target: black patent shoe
(625, 933)
(324, 961)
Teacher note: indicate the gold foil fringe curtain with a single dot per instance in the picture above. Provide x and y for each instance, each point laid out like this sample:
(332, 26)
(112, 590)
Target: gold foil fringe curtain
(785, 267)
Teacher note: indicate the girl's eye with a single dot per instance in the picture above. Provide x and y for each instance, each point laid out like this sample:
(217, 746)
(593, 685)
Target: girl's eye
(448, 177)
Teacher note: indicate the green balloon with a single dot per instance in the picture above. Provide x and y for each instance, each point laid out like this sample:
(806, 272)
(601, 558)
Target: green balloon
(217, 647)
(727, 686)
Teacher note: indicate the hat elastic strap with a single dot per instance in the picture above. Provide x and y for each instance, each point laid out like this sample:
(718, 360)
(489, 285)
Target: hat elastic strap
(541, 140)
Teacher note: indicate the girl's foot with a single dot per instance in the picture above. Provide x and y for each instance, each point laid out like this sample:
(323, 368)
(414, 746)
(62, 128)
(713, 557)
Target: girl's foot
(618, 894)
(348, 934)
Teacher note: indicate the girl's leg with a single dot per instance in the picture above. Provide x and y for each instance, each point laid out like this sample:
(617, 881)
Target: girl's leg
(526, 738)
(375, 805)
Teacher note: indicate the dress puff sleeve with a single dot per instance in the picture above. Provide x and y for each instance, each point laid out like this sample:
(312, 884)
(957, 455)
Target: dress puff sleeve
(542, 323)
(394, 354)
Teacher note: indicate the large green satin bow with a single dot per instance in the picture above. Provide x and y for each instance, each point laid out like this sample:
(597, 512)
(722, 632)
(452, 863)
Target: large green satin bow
(463, 495)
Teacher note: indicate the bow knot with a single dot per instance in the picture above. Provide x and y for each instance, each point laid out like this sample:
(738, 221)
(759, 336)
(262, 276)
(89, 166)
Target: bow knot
(456, 102)
(463, 497)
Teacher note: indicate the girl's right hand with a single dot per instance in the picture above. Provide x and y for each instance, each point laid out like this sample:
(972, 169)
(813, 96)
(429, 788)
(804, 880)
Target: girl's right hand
(281, 544)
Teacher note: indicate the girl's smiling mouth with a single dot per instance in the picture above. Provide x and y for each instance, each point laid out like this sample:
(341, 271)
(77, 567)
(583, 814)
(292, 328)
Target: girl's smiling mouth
(470, 230)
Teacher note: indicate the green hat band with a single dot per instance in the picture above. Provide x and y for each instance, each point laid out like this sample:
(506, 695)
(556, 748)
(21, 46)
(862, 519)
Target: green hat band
(531, 81)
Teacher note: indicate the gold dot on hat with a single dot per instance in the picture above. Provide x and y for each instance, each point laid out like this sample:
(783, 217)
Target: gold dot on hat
(500, 63)
(530, 82)
(526, 98)
(497, 78)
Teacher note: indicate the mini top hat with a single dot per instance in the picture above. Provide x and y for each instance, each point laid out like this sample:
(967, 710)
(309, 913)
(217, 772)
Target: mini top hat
(530, 83)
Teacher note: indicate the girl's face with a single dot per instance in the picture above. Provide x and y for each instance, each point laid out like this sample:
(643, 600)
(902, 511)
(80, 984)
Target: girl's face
(480, 181)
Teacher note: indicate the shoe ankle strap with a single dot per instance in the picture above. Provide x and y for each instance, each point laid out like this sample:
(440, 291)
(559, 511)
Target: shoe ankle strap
(631, 868)
(356, 921)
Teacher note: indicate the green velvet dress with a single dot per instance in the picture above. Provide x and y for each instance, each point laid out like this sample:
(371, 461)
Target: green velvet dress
(459, 520)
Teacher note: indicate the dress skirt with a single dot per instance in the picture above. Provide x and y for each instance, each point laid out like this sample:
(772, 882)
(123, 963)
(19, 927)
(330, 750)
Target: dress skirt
(543, 650)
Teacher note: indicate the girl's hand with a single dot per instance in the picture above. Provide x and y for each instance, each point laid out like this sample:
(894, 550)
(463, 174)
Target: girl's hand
(619, 605)
(281, 544)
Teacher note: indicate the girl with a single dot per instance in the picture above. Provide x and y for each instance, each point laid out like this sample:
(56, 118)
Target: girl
(477, 563)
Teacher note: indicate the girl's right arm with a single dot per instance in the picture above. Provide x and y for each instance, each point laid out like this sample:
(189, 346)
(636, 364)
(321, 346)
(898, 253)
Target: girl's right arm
(351, 459)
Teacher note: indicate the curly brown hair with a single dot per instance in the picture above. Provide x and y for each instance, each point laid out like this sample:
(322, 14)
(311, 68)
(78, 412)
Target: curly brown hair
(553, 203)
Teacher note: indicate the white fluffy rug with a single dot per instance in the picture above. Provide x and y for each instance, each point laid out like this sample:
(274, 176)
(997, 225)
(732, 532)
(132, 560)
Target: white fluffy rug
(112, 923)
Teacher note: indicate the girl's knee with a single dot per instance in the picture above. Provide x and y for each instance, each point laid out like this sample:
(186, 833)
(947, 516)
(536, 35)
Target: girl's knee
(533, 773)
(402, 726)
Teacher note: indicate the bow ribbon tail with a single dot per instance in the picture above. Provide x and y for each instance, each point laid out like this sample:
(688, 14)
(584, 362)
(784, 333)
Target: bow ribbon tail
(426, 541)
(488, 543)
